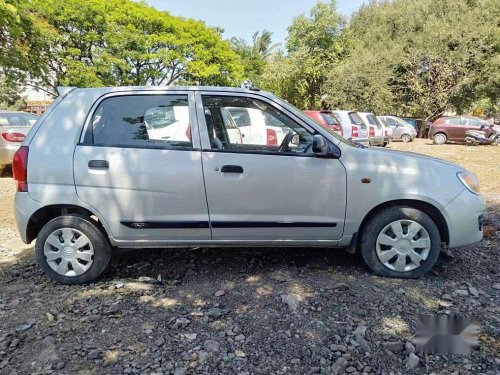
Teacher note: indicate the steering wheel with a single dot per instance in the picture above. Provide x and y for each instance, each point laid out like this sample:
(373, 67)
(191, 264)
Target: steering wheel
(286, 141)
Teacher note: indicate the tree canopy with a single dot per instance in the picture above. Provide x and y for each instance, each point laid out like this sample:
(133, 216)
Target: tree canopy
(114, 42)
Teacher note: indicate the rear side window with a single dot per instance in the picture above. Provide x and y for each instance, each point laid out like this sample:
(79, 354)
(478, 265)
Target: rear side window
(143, 121)
(454, 121)
(356, 119)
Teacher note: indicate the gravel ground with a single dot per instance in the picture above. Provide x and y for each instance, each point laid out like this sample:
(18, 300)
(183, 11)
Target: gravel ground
(248, 311)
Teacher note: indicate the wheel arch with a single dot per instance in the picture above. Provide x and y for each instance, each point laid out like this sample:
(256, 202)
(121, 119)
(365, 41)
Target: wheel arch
(432, 211)
(43, 215)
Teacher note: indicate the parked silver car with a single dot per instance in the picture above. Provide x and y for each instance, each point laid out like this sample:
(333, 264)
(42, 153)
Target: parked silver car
(13, 128)
(98, 172)
(401, 130)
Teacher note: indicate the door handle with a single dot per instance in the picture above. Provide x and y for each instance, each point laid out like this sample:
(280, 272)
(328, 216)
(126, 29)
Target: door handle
(99, 164)
(231, 169)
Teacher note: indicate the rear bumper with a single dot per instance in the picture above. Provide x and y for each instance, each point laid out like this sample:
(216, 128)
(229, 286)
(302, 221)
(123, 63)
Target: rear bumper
(464, 217)
(377, 141)
(7, 152)
(363, 141)
(25, 207)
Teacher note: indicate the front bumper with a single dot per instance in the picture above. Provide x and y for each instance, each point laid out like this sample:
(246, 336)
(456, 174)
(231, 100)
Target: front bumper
(464, 218)
(7, 152)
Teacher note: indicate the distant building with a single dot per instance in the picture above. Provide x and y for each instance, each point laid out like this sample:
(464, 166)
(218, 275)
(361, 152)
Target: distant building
(37, 101)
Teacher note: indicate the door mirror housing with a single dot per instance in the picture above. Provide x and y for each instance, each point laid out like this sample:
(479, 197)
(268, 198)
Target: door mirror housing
(320, 146)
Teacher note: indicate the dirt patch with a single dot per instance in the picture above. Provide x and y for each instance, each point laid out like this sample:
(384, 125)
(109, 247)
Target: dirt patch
(247, 311)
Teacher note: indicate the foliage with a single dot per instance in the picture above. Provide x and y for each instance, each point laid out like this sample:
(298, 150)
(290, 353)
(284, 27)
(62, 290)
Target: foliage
(10, 98)
(314, 47)
(121, 42)
(419, 58)
(256, 55)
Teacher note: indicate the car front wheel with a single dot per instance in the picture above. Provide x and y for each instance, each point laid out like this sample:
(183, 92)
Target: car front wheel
(440, 139)
(72, 250)
(400, 242)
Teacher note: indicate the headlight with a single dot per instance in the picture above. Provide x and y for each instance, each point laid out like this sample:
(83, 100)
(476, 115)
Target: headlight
(470, 181)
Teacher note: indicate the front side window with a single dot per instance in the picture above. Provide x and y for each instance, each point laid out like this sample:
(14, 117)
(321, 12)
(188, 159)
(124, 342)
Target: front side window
(143, 121)
(279, 132)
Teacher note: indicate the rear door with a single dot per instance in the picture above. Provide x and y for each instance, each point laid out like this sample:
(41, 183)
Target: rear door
(268, 192)
(139, 165)
(456, 127)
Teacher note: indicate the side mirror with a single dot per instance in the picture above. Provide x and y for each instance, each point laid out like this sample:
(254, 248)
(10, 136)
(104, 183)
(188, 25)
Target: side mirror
(320, 145)
(295, 140)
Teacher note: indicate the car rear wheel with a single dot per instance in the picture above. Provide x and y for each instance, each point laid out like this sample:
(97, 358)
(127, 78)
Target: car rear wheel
(400, 242)
(406, 138)
(72, 250)
(440, 139)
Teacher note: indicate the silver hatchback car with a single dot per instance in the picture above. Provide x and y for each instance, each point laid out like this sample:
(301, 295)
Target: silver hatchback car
(155, 167)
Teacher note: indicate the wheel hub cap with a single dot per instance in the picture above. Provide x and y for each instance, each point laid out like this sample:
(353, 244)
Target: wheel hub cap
(68, 252)
(403, 245)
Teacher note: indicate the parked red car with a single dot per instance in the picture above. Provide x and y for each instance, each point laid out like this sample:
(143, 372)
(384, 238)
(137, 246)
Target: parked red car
(453, 128)
(326, 119)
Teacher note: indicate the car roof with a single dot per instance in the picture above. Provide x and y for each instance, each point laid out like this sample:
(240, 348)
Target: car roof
(104, 90)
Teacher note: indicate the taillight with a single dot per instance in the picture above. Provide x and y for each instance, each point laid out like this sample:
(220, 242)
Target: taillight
(13, 137)
(188, 132)
(372, 131)
(272, 138)
(355, 133)
(338, 129)
(20, 168)
(386, 133)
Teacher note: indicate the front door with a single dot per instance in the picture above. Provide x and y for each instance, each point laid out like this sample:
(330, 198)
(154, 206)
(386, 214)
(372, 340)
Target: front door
(139, 166)
(259, 192)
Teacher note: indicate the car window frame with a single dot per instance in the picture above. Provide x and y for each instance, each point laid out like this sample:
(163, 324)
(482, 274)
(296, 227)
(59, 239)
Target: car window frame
(86, 137)
(202, 126)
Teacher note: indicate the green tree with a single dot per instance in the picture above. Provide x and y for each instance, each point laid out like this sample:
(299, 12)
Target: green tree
(121, 42)
(314, 47)
(9, 96)
(255, 56)
(419, 58)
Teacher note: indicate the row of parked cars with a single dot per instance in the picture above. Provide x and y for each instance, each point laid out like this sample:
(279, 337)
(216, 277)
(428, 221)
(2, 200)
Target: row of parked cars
(365, 127)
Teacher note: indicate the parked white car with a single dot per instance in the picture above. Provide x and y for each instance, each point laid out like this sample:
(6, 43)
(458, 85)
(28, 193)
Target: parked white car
(353, 126)
(401, 130)
(375, 130)
(256, 127)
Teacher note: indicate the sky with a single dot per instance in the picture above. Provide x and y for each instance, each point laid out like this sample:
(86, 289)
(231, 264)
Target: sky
(242, 18)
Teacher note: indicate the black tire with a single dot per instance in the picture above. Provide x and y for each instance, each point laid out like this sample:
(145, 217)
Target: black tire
(385, 144)
(406, 138)
(376, 224)
(100, 243)
(440, 139)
